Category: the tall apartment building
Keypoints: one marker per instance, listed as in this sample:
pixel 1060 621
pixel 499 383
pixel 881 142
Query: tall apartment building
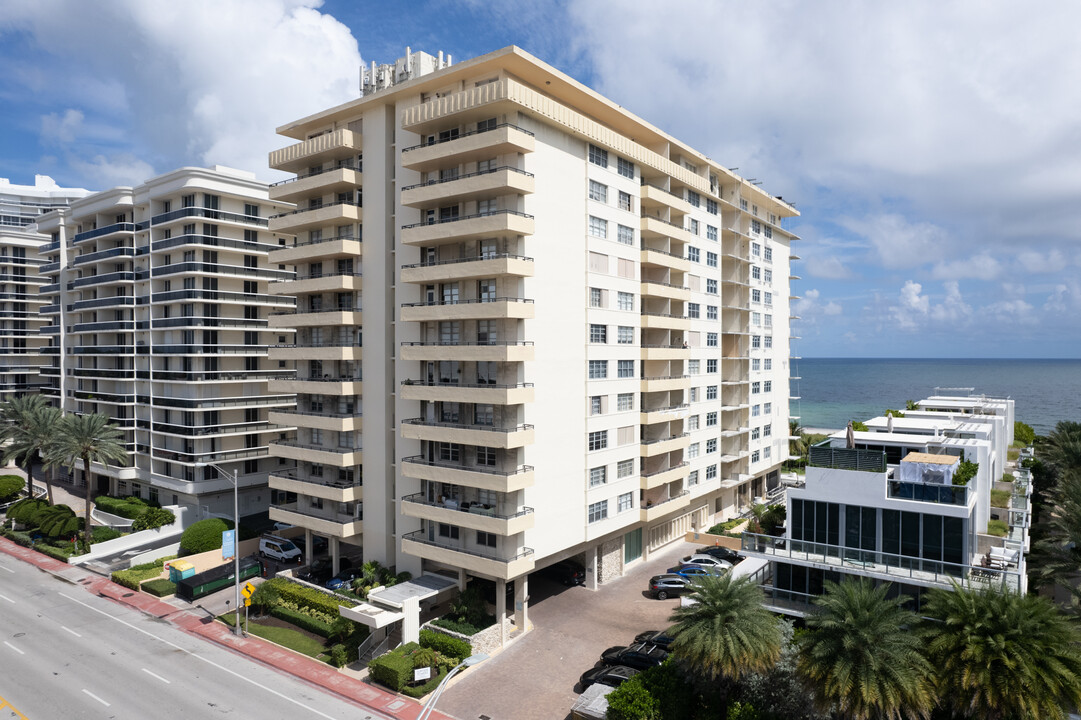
pixel 159 318
pixel 577 325
pixel 887 504
pixel 20 319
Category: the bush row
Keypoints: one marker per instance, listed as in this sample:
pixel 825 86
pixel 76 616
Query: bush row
pixel 160 587
pixel 129 507
pixel 301 620
pixel 445 644
pixel 461 627
pixel 393 669
pixel 135 575
pixel 305 597
pixel 20 538
pixel 10 487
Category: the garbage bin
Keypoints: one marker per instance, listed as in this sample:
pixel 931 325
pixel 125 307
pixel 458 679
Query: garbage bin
pixel 179 570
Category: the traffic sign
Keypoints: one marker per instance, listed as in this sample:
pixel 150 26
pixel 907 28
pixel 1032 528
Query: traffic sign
pixel 247 591
pixel 247 602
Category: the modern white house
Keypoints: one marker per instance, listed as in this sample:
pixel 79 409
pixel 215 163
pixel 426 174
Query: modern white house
pixel 888 504
pixel 575 326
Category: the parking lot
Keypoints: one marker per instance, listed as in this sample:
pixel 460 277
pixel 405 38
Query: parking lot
pixel 535 678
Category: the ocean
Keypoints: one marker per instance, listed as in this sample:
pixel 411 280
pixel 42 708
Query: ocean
pixel 836 390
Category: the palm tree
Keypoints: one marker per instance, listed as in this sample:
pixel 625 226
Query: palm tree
pixel 1063 448
pixel 32 424
pixel 911 405
pixel 1003 655
pixel 862 655
pixel 89 438
pixel 1058 553
pixel 727 632
pixel 797 446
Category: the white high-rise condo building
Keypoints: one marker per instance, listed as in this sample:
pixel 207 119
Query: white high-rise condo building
pixel 20 319
pixel 577 326
pixel 160 319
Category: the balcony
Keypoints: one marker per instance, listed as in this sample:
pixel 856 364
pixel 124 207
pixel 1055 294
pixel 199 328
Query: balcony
pixel 320 351
pixel 321 249
pixel 338 144
pixel 468 268
pixel 319 386
pixel 316 318
pixel 468 515
pixel 663 507
pixel 824 456
pixel 302 220
pixel 666 290
pixel 97 256
pixel 653 196
pixel 466 227
pixel 467 393
pixel 665 321
pixel 123 227
pixel 659 478
pixel 467 352
pixel 665 259
pixel 657 227
pixel 475 560
pixel 482 477
pixel 339 526
pixel 321 283
pixel 452 432
pixel 326 182
pixel 664 383
pixel 665 352
pixel 663 446
pixel 648 416
pixel 495 308
pixel 332 490
pixel 505 139
pixel 505 180
pixel 330 421
pixel 320 454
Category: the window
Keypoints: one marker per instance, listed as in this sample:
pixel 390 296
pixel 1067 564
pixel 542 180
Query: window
pixel 711 365
pixel 754 433
pixel 767 320
pixel 693 450
pixel 756 226
pixel 598 333
pixel 767 298
pixel 598 191
pixel 768 408
pixel 756 319
pixel 448 531
pixel 711 419
pixel 768 255
pixel 598 263
pixel 598 369
pixel 692 478
pixel 711 446
pixel 711 472
pixel 486 539
pixel 756 364
pixel 598 156
pixel 756 296
pixel 625 167
pixel 756 341
pixel 693 310
pixel 625 402
pixel 625 369
pixel 625 301
pixel 624 468
pixel 711 339
pixel 742 204
pixel 711 259
pixel 756 250
pixel 769 341
pixel 598 440
pixel 756 410
pixel 694 395
pixel 596 406
pixel 767 363
pixel 625 335
pixel 694 198
pixel 595 297
pixel 711 286
pixel 711 392
pixel 692 226
pixel 692 423
pixel 598 476
pixel 756 272
pixel 692 254
pixel 711 312
pixel 767 386
pixel 625 234
pixel 711 206
pixel 756 387
pixel 692 367
pixel 766 451
pixel 598 510
pixel 755 456
pixel 624 200
pixel 486 456
pixel 767 431
pixel 767 276
pixel 598 227
pixel 625 502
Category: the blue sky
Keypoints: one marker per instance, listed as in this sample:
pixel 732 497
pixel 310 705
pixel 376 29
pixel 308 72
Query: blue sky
pixel 932 148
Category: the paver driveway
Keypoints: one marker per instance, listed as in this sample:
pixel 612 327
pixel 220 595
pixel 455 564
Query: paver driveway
pixel 535 678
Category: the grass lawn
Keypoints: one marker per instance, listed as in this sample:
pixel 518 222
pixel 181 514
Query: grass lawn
pixel 1000 498
pixel 1013 454
pixel 997 528
pixel 286 637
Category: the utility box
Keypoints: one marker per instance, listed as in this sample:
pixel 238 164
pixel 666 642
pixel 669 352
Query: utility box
pixel 214 579
pixel 180 570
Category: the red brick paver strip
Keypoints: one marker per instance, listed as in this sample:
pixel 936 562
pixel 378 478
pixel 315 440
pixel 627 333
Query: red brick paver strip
pixel 299 666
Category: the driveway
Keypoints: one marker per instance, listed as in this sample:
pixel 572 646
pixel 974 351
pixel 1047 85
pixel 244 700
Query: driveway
pixel 535 678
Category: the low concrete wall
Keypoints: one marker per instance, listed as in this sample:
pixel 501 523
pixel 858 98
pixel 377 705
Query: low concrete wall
pixel 488 640
pixel 152 555
pixel 135 540
pixel 702 538
pixel 116 522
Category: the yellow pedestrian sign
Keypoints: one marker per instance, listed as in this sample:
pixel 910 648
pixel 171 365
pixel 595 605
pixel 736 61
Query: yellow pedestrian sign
pixel 247 590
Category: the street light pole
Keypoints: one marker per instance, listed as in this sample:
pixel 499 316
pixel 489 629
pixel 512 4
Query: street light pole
pixel 426 711
pixel 236 546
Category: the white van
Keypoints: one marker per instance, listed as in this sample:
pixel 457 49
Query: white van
pixel 279 548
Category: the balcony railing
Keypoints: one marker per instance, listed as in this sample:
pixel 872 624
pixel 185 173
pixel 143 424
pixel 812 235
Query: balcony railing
pixel 468 217
pixel 108 229
pixel 478 258
pixel 467 134
pixel 477 386
pixel 487 470
pixel 459 426
pixel 474 301
pixel 462 343
pixel 320 448
pixel 359 167
pixel 467 506
pixel 209 214
pixel 925 492
pixel 421 536
pixel 294 474
pixel 319 240
pixel 317 207
pixel 467 175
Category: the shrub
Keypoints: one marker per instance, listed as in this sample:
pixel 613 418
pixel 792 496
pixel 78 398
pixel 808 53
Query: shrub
pixel 53 552
pixel 427 687
pixel 631 701
pixel 1000 498
pixel 266 596
pixel 302 621
pixel 726 526
pixel 998 528
pixel 965 472
pixel 28 511
pixel 203 536
pixel 308 598
pixel 19 538
pixel 131 577
pixel 153 518
pixel 462 628
pixel 1023 433
pixel 858 426
pixel 445 644
pixel 101 533
pixel 339 655
pixel 160 587
pixel 393 669
pixel 10 487
pixel 59 521
pixel 130 507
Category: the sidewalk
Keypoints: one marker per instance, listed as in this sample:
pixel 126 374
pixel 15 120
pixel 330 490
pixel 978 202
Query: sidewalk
pixel 299 666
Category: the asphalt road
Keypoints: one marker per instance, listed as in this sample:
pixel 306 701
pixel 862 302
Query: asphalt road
pixel 66 653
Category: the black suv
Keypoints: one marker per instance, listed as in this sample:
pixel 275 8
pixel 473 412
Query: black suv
pixel 660 638
pixel 721 553
pixel 610 676
pixel 639 656
pixel 664 586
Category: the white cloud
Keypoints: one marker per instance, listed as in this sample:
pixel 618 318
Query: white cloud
pixel 952 309
pixel 899 243
pixel 810 307
pixel 980 267
pixel 912 306
pixel 828 268
pixel 194 83
pixel 1038 262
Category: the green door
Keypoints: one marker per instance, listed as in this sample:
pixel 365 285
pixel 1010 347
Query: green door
pixel 632 545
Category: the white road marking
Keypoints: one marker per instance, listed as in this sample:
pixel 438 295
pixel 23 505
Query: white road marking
pixel 71 631
pixel 159 677
pixel 5 567
pixel 14 648
pixel 200 657
pixel 5 597
pixel 95 697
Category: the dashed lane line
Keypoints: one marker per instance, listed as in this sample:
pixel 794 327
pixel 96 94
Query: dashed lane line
pixel 21 652
pixel 159 677
pixel 71 631
pixel 95 697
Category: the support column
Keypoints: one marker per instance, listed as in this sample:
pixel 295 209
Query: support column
pixel 461 580
pixel 309 542
pixel 521 602
pixel 591 568
pixel 335 554
pixel 411 620
pixel 501 609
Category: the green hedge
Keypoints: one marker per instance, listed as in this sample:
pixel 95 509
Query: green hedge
pixel 445 644
pixel 204 536
pixel 133 576
pixel 130 508
pixel 28 511
pixel 10 487
pixel 393 669
pixel 53 552
pixel 422 690
pixel 101 533
pixel 302 621
pixel 19 538
pixel 153 518
pixel 339 655
pixel 726 526
pixel 307 597
pixel 160 587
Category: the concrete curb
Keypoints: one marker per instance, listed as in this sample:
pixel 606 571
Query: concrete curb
pixel 301 667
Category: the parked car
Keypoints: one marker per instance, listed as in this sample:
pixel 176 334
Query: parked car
pixel 319 544
pixel 706 561
pixel 568 572
pixel 343 579
pixel 721 552
pixel 660 638
pixel 695 571
pixel 639 656
pixel 610 676
pixel 279 549
pixel 665 586
pixel 321 570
